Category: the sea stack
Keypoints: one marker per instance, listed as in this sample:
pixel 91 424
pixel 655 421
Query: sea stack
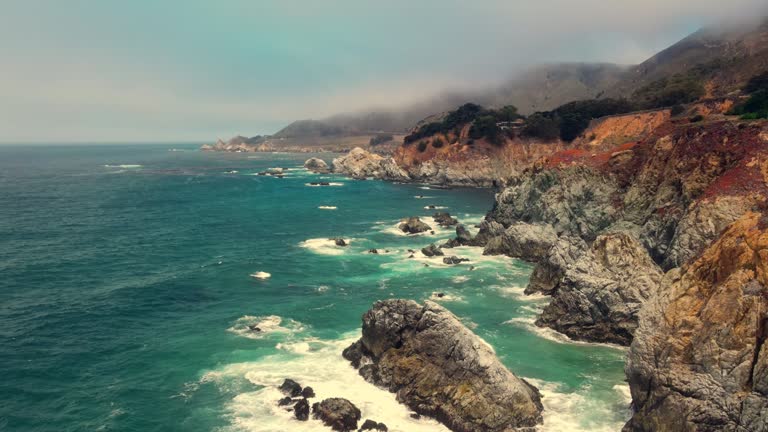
pixel 440 368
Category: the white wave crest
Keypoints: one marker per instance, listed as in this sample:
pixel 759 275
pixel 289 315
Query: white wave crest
pixel 245 326
pixel 312 363
pixel 324 246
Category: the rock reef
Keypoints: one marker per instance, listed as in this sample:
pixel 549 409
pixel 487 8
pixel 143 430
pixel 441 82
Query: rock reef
pixel 441 369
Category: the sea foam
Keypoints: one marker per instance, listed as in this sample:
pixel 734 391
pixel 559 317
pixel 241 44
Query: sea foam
pixel 312 363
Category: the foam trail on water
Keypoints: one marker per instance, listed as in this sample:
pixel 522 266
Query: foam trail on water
pixel 529 323
pixel 575 412
pixel 324 246
pixel 266 324
pixel 311 363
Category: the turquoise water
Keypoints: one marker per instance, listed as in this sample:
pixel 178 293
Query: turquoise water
pixel 126 294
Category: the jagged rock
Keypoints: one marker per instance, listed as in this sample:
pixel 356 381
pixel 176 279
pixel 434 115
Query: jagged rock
pixel 337 413
pixel 488 230
pixel 452 260
pixel 577 200
pixel 551 268
pixel 699 361
pixel 340 242
pixel 414 225
pixel 317 165
pixel 373 426
pixel 521 240
pixel 290 387
pixel 438 367
pixel 301 410
pixel 285 401
pixel 359 163
pixel 432 251
pixel 308 392
pixel 445 219
pixel 600 295
pixel 462 235
pixel 254 328
pixel 701 225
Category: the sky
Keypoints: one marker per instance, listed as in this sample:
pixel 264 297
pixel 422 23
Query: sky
pixel 191 70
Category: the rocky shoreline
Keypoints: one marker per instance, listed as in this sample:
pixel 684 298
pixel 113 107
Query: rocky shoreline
pixel 661 246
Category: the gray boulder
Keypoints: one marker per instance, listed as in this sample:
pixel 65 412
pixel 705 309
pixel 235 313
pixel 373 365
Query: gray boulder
pixel 414 225
pixel 337 413
pixel 432 251
pixel 317 165
pixel 439 368
pixel 530 242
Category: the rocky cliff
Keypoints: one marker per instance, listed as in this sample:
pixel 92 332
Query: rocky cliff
pixel 699 361
pixel 439 368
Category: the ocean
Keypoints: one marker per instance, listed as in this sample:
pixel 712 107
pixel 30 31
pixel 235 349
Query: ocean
pixel 125 295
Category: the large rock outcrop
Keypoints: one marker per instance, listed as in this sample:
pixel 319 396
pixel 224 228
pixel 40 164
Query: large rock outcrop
pixel 317 165
pixel 699 361
pixel 439 368
pixel 600 294
pixel 521 240
pixel 551 268
pixel 359 163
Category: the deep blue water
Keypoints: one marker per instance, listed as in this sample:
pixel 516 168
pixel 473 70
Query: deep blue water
pixel 125 293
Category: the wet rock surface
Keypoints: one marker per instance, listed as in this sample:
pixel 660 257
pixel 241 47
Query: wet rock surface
pixel 337 413
pixel 441 369
pixel 414 225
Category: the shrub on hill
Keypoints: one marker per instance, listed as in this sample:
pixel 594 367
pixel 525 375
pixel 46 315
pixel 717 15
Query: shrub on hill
pixel 757 82
pixel 542 126
pixel 756 107
pixel 484 123
pixel 485 127
pixel 380 139
pixel 675 90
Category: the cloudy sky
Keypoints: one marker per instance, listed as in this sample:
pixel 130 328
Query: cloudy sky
pixel 165 70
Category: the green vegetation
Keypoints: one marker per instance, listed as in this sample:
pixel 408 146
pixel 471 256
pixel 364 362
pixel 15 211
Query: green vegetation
pixel 757 82
pixel 543 126
pixel 484 123
pixel 485 127
pixel 675 90
pixel 697 118
pixel 677 110
pixel 756 107
pixel 380 139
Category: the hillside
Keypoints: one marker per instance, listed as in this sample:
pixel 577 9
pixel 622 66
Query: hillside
pixel 722 58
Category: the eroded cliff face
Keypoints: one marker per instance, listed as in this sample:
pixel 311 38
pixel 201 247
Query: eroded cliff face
pixel 690 200
pixel 699 361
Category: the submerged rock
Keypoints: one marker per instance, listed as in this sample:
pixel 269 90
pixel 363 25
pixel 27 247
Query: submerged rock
pixel 290 387
pixel 699 361
pixel 340 242
pixel 438 367
pixel 452 260
pixel 445 219
pixel 432 251
pixel 414 225
pixel 337 413
pixel 308 392
pixel 370 425
pixel 301 410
